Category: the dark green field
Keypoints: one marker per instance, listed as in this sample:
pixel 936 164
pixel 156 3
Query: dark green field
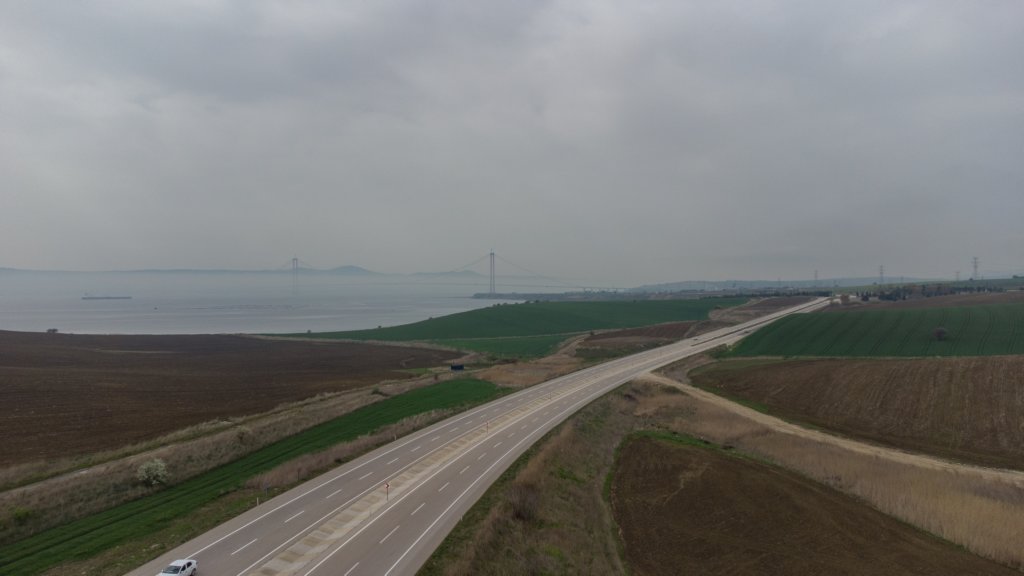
pixel 533 329
pixel 93 534
pixel 970 331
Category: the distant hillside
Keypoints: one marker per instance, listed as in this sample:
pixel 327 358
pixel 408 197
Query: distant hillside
pixel 459 274
pixel 350 270
pixel 722 285
pixel 347 270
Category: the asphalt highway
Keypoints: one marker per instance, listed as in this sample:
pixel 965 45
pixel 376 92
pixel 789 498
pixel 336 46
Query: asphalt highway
pixel 384 513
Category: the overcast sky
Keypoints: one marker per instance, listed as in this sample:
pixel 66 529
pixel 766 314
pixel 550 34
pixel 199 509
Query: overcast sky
pixel 622 142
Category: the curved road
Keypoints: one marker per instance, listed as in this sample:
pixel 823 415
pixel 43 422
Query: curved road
pixel 384 513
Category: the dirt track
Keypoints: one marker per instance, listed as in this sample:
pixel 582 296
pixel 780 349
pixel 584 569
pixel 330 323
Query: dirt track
pixel 1010 476
pixel 965 409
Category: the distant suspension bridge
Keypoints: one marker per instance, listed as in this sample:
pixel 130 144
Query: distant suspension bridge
pixel 531 279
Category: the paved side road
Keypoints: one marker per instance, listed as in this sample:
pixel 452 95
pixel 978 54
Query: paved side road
pixel 385 512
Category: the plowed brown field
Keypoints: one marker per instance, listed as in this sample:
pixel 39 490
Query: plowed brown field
pixel 69 395
pixel 967 409
pixel 691 510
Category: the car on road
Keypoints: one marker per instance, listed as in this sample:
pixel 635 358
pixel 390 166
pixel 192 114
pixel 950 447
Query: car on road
pixel 186 567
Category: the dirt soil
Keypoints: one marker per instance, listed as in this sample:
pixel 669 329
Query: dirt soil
pixel 753 309
pixel 68 395
pixel 949 301
pixel 523 374
pixel 691 510
pixel 966 409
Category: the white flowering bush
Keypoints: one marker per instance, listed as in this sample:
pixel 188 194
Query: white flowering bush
pixel 152 473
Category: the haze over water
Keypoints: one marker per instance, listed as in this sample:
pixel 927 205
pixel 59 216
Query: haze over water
pixel 208 303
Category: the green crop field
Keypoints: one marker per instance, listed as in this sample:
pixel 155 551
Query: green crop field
pixel 971 331
pixel 93 534
pixel 536 328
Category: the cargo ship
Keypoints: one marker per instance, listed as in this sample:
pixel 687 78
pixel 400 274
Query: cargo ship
pixel 88 297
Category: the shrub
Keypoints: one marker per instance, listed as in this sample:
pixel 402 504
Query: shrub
pixel 152 473
pixel 21 516
pixel 244 435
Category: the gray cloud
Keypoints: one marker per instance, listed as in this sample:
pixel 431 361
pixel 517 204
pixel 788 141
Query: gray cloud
pixel 620 142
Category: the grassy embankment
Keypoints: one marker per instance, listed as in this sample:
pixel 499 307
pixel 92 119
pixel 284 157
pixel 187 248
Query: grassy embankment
pixel 970 331
pixel 97 533
pixel 536 328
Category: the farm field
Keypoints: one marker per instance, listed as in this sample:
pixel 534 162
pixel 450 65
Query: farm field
pixel 510 347
pixel 96 533
pixel 966 409
pixel 69 395
pixel 535 328
pixel 688 509
pixel 982 330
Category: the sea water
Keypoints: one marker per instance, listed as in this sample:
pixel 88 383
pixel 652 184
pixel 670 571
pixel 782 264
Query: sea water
pixel 226 302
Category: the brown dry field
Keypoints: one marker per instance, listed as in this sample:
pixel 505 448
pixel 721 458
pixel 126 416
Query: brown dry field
pixel 950 301
pixel 68 395
pixel 690 510
pixel 966 409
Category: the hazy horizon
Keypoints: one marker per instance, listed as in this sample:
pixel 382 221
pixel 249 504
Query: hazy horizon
pixel 595 142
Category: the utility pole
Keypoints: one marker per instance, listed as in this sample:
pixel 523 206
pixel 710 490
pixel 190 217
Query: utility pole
pixel 974 262
pixel 881 274
pixel 492 272
pixel 957 275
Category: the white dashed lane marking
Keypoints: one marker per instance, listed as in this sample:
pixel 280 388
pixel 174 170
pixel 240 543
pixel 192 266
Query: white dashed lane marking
pixel 244 547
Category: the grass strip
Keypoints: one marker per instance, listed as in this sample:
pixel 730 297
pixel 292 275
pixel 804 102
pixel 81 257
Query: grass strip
pixel 91 535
